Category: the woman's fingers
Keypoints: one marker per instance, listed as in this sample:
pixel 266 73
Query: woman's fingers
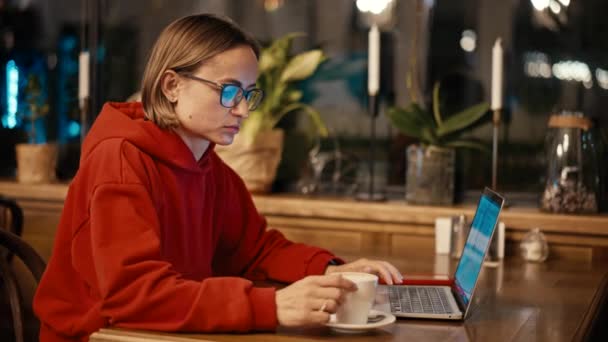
pixel 397 276
pixel 335 281
pixel 385 270
pixel 327 305
pixel 319 317
pixel 334 294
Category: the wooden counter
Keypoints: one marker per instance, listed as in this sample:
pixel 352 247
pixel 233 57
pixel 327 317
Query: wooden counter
pixel 347 226
pixel 395 228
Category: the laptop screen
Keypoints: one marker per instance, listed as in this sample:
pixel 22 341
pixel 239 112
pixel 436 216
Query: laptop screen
pixel 476 246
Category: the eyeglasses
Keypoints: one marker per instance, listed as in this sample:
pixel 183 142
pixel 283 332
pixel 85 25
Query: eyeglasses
pixel 232 94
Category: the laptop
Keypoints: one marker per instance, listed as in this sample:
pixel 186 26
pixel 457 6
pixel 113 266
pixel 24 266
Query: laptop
pixel 453 301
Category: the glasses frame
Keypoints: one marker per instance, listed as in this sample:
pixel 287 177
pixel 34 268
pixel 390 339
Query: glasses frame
pixel 221 86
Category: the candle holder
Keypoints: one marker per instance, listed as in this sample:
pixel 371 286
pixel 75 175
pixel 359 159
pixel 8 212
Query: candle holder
pixel 373 89
pixel 372 193
pixel 495 131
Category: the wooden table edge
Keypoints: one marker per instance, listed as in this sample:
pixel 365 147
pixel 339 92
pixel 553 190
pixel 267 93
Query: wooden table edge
pixel 590 319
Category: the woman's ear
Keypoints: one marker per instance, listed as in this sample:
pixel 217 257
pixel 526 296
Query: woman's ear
pixel 169 84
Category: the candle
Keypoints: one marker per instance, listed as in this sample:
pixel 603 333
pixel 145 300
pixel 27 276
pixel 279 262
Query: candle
pixel 83 76
pixel 373 62
pixel 497 67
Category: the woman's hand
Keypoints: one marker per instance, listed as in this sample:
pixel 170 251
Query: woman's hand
pixel 382 269
pixel 311 300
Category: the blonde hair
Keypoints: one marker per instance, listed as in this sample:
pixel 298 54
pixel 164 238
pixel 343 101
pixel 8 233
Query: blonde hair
pixel 182 47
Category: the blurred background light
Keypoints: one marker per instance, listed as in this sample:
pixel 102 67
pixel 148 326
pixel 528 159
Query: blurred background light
pixel 540 5
pixel 12 93
pixel 555 7
pixel 572 71
pixel 468 41
pixel 537 65
pixel 373 6
pixel 602 78
pixel 272 5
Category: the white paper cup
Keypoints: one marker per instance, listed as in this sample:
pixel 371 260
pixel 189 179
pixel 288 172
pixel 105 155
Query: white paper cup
pixel 357 304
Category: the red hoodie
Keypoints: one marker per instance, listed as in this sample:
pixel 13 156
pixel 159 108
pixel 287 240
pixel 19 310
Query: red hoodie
pixel 149 238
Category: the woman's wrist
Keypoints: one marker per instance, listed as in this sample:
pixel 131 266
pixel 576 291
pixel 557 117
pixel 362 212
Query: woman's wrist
pixel 331 265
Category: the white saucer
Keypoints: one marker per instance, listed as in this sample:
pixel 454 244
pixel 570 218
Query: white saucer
pixel 359 328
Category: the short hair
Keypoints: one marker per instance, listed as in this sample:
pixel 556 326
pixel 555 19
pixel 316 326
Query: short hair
pixel 183 46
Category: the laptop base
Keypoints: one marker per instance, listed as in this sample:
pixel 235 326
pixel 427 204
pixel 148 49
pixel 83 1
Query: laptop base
pixel 385 303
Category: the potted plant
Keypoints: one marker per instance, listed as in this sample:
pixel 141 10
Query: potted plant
pixel 36 162
pixel 430 164
pixel 256 151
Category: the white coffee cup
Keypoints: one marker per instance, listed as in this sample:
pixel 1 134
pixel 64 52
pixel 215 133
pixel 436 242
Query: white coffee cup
pixel 357 304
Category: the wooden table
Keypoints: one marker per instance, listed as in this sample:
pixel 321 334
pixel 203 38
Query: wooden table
pixel 516 301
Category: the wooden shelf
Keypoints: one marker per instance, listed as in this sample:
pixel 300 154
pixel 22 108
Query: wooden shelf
pixel 396 228
pixel 55 192
pixel 350 226
pixel 398 212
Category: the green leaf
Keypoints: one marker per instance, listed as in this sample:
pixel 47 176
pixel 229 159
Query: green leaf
pixel 468 143
pixel 428 135
pixel 436 104
pixel 411 122
pixel 302 66
pixel 462 119
pixel 277 69
pixel 276 55
pixel 424 116
pixel 314 115
pixel 268 60
pixel 294 95
pixel 316 119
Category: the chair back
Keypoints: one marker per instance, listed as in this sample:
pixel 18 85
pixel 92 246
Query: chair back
pixel 11 244
pixel 11 219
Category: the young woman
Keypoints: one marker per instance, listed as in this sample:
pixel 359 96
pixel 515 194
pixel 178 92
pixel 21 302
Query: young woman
pixel 157 232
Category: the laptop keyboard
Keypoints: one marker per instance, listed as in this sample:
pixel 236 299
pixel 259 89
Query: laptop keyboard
pixel 418 299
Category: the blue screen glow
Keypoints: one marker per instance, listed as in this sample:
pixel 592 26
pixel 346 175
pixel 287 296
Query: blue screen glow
pixel 475 248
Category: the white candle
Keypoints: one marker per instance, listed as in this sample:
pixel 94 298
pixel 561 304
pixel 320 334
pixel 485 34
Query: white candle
pixel 497 66
pixel 373 61
pixel 83 76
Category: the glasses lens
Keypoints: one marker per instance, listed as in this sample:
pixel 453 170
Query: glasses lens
pixel 231 95
pixel 254 98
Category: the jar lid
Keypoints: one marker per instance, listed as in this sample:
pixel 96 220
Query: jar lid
pixel 570 121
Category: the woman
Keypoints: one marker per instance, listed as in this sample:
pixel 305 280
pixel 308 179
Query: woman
pixel 157 232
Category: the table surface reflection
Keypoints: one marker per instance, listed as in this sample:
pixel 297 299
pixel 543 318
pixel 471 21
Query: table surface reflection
pixel 515 301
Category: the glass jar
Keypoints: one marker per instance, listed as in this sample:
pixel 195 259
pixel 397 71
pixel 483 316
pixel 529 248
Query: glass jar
pixel 430 175
pixel 572 183
pixel 534 246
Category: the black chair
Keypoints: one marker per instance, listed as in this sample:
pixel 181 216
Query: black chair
pixel 11 226
pixel 11 216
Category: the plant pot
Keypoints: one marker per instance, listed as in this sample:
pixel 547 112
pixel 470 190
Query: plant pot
pixel 430 175
pixel 257 162
pixel 36 163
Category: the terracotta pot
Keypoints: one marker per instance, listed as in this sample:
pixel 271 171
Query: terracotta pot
pixel 256 163
pixel 36 163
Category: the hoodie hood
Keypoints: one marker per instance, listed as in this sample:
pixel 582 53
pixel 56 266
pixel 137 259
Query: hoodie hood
pixel 127 121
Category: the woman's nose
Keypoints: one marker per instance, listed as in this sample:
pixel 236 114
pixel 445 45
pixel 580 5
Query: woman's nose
pixel 241 109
